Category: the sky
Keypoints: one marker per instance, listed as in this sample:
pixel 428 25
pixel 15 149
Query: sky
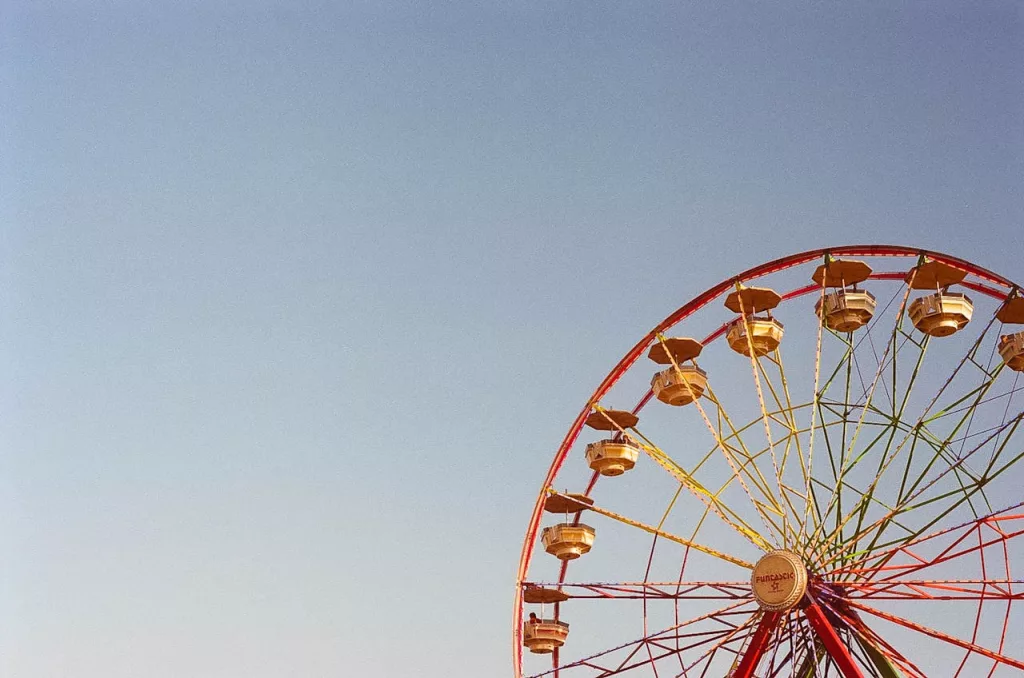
pixel 297 299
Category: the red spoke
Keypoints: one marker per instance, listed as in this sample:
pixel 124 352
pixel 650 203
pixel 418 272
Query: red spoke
pixel 708 656
pixel 947 555
pixel 654 590
pixel 906 623
pixel 1006 616
pixel 938 589
pixel 977 615
pixel 672 633
pixel 950 552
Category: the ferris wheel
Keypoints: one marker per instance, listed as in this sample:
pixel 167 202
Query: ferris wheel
pixel 814 468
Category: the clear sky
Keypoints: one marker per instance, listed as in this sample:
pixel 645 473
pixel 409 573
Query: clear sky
pixel 298 298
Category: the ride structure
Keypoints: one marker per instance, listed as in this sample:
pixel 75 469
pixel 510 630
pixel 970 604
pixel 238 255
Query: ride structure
pixel 853 510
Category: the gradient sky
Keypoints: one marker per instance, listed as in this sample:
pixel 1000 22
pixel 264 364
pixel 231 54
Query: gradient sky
pixel 297 299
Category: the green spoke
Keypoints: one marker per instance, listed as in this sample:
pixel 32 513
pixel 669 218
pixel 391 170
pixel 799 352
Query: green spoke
pixel 919 432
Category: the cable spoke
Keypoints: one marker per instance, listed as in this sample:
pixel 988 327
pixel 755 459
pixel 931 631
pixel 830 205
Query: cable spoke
pixel 939 635
pixel 685 590
pixel 709 499
pixel 936 589
pixel 661 533
pixel 720 615
pixel 739 470
pixel 764 411
pixel 906 507
pixel 828 541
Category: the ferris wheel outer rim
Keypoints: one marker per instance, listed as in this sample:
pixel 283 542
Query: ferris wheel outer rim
pixel 680 314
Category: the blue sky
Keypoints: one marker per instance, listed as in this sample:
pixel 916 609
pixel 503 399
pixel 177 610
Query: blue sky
pixel 297 299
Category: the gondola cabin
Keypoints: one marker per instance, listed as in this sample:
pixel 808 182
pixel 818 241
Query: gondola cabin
pixel 763 334
pixel 941 314
pixel 566 541
pixel 542 636
pixel 846 310
pixel 679 386
pixel 1011 350
pixel 612 457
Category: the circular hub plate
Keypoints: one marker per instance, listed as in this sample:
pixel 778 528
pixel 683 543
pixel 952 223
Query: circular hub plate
pixel 779 581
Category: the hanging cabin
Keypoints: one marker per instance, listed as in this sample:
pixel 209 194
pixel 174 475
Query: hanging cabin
pixel 760 333
pixel 846 308
pixel 942 313
pixel 681 383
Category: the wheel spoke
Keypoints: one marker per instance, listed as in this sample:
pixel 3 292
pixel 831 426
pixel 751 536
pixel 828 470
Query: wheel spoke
pixel 757 645
pixel 960 496
pixel 709 499
pixel 755 368
pixel 936 589
pixel 920 431
pixel 684 590
pixel 846 464
pixel 663 534
pixel 740 469
pixel 939 635
pixel 886 659
pixel 879 561
pixel 720 616
pixel 811 510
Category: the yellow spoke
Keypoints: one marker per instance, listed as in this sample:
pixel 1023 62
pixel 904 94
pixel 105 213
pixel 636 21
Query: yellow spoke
pixel 661 533
pixel 717 433
pixel 808 468
pixel 760 399
pixel 790 424
pixel 696 488
pixel 749 465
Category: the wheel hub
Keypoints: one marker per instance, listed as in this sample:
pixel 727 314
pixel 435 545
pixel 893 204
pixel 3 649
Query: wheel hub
pixel 779 581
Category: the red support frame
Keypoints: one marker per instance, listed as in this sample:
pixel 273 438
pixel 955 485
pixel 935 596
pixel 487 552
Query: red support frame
pixel 827 632
pixel 758 644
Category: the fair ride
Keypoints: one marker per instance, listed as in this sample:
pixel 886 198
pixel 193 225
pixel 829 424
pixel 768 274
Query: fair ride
pixel 839 495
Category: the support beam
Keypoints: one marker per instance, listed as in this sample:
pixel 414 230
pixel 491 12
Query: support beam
pixel 758 644
pixel 827 632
